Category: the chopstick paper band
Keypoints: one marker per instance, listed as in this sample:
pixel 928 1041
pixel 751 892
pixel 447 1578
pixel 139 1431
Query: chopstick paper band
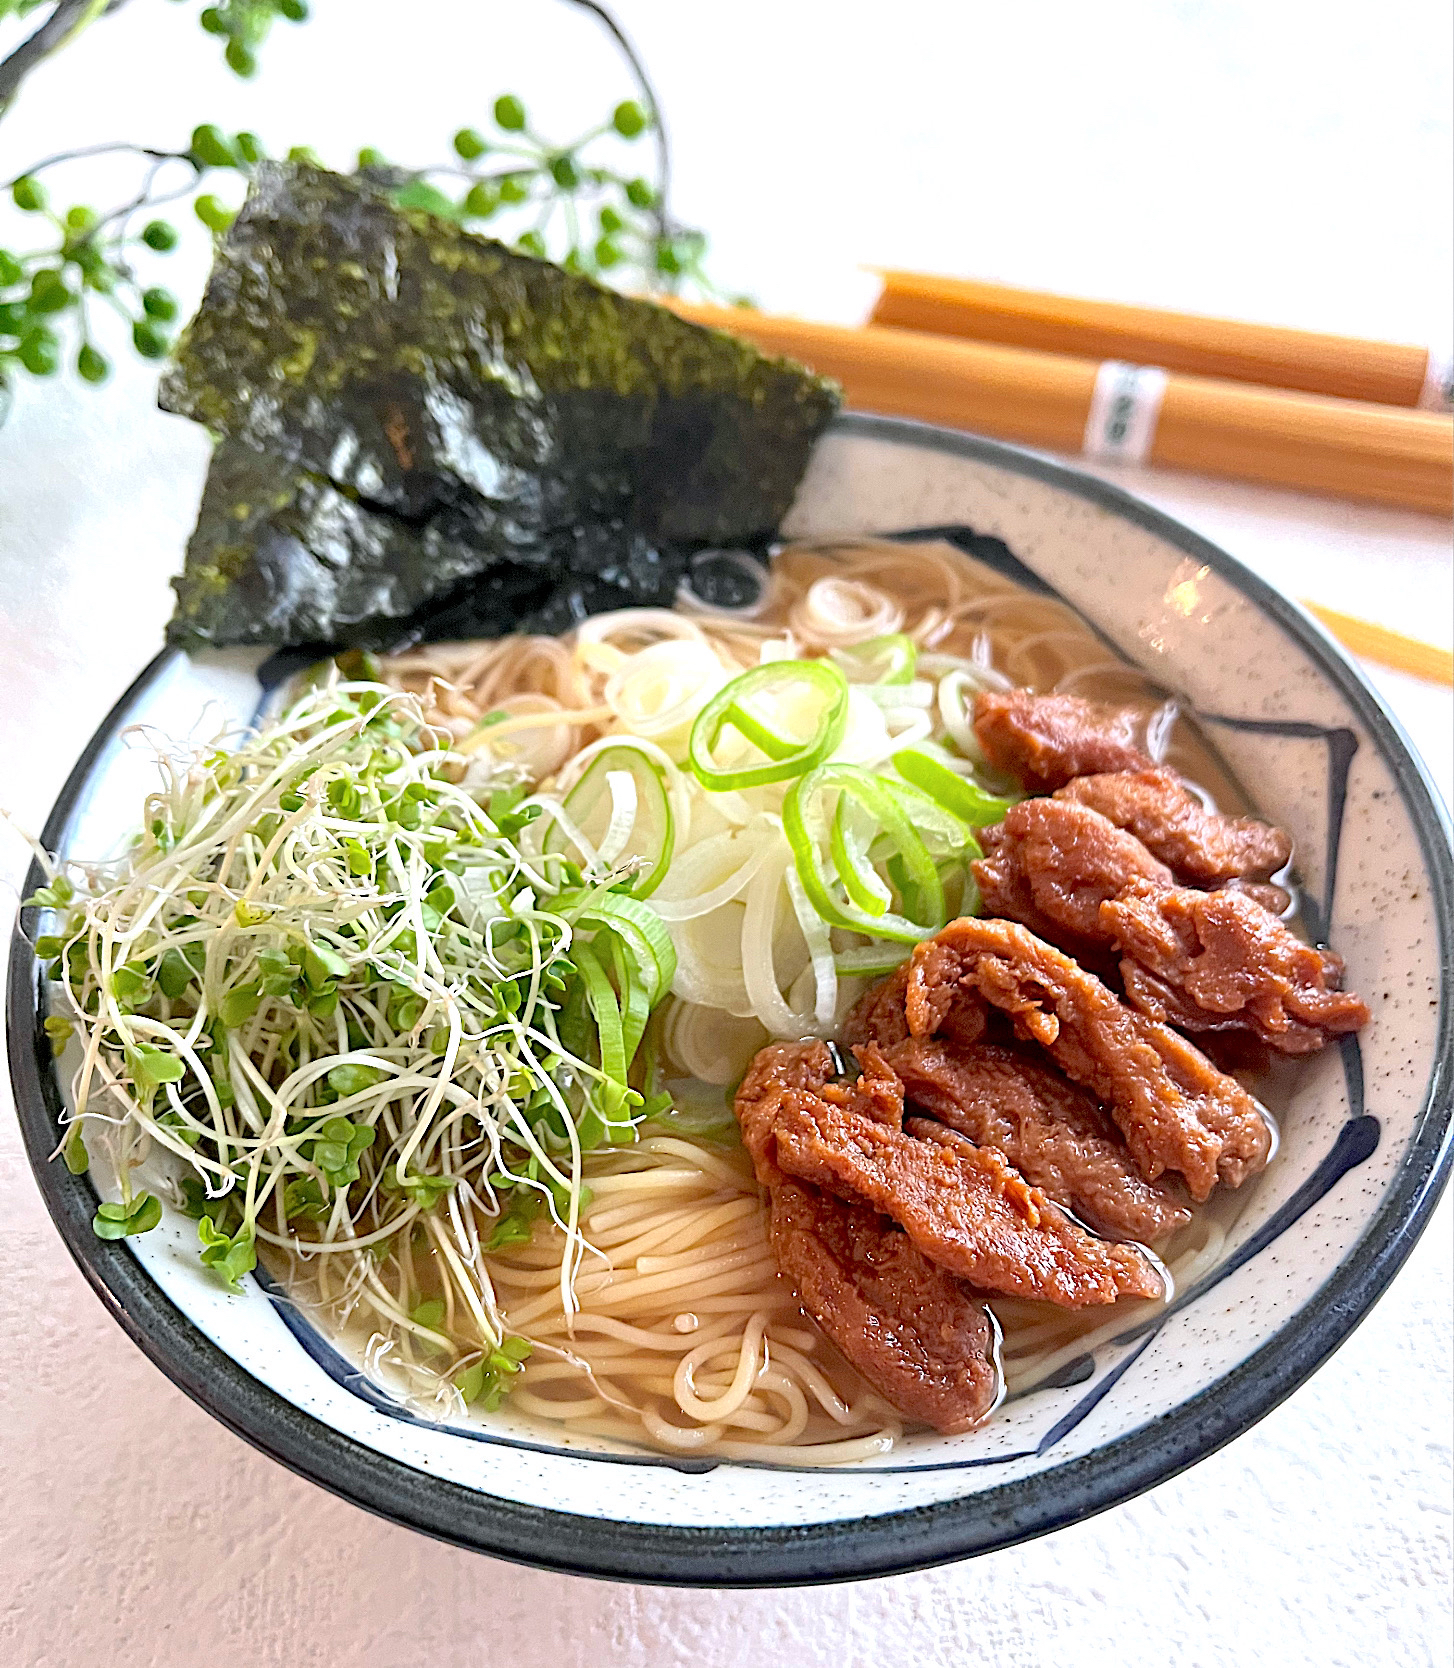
pixel 1438 390
pixel 1125 404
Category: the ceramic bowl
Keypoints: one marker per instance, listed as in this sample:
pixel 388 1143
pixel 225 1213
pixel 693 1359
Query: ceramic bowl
pixel 1365 1140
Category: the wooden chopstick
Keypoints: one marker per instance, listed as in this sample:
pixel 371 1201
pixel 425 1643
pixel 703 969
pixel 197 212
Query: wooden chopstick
pixel 1385 373
pixel 1043 399
pixel 1374 453
pixel 1388 648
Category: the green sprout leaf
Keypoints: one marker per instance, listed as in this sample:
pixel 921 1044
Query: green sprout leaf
pixel 151 1067
pixel 353 1080
pixel 117 1220
pixel 230 1255
pixel 174 974
pixel 60 1031
pixel 28 194
pixel 74 1152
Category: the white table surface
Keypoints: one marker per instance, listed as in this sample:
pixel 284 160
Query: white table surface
pixel 1275 158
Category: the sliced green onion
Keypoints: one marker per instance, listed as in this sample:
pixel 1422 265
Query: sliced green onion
pixel 871 961
pixel 635 1004
pixel 956 793
pixel 851 859
pixel 786 758
pixel 607 1011
pixel 945 834
pixel 890 659
pixel 806 827
pixel 640 928
pixel 652 835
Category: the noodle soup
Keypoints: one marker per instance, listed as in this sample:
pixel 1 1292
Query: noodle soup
pixel 675 1329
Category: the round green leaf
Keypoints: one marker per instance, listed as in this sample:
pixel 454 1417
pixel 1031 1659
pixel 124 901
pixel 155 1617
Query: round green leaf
pixel 629 119
pixel 148 341
pixel 211 148
pixel 91 365
pixel 39 352
pixel 28 194
pixel 509 113
pixel 214 213
pixel 48 292
pixel 159 304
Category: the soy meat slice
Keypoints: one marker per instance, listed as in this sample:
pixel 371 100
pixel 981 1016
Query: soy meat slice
pixel 1218 960
pixel 1045 740
pixel 920 1337
pixel 1176 1110
pixel 879 1017
pixel 1202 961
pixel 1054 1133
pixel 975 1216
pixel 1052 863
pixel 1202 848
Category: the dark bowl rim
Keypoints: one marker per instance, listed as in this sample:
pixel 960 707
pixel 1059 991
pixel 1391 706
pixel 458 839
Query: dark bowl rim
pixel 894 1543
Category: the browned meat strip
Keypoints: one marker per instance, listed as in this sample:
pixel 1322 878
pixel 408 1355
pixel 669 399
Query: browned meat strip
pixel 1054 863
pixel 775 1069
pixel 1201 847
pixel 1176 1110
pixel 1051 1131
pixel 879 1015
pixel 1213 960
pixel 1045 740
pixel 915 1333
pixel 1204 961
pixel 976 1217
pixel 918 1335
pixel 1272 898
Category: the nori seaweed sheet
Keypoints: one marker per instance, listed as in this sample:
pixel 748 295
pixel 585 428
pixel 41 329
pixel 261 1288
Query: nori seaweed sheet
pixel 428 434
pixel 280 555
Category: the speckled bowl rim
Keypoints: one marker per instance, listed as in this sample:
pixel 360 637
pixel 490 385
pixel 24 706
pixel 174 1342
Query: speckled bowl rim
pixel 846 1549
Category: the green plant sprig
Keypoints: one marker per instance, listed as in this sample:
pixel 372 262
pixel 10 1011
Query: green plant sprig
pixel 244 24
pixel 564 202
pixel 542 200
pixel 558 201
